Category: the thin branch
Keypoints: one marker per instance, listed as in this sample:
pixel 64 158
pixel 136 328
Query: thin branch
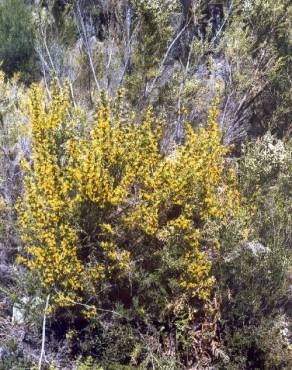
pixel 44 333
pixel 44 39
pixel 225 110
pixel 129 48
pixel 94 307
pixel 87 45
pixel 161 67
pixel 244 105
pixel 223 24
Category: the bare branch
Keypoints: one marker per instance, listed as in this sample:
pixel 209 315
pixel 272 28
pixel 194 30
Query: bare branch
pixel 44 333
pixel 162 64
pixel 86 44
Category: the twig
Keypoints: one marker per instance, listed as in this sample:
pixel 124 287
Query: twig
pixel 224 112
pixel 161 67
pixel 223 24
pixel 44 333
pixel 87 306
pixel 87 45
pixel 44 39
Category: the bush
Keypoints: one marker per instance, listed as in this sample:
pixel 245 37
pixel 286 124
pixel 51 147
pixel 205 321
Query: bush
pixel 254 277
pixel 16 38
pixel 109 221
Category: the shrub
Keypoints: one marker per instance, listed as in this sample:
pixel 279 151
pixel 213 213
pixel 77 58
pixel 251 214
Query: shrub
pixel 16 38
pixel 254 278
pixel 107 218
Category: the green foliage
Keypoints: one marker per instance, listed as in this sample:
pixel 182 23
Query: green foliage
pixel 88 364
pixel 254 277
pixel 16 38
pixel 154 34
pixel 256 43
pixel 155 24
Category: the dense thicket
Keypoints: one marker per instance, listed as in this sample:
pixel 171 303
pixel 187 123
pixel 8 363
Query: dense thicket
pixel 145 184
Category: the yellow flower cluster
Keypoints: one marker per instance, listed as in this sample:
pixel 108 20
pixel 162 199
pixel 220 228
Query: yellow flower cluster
pixel 47 210
pixel 100 197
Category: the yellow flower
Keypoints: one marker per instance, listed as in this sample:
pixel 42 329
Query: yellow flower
pixel 96 205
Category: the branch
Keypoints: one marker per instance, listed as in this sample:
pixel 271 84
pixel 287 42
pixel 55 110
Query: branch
pixel 161 67
pixel 44 333
pixel 87 306
pixel 223 24
pixel 244 105
pixel 44 39
pixel 87 45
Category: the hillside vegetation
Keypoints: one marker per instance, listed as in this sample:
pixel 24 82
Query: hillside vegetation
pixel 145 185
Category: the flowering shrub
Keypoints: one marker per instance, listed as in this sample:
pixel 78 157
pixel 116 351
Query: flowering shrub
pixel 105 210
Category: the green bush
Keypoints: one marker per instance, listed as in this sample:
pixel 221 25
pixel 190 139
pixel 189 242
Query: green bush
pixel 16 38
pixel 254 276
